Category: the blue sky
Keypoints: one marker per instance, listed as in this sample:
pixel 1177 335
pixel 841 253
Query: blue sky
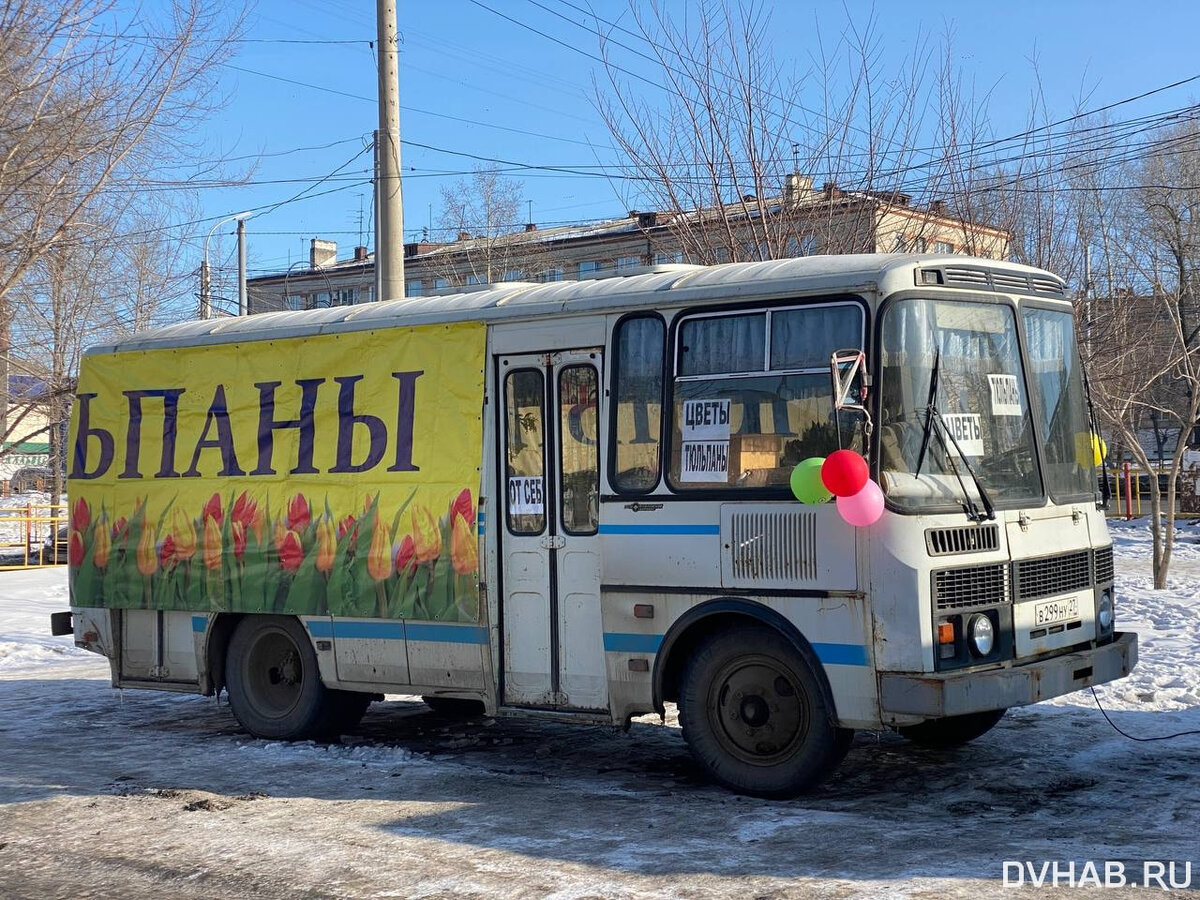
pixel 512 80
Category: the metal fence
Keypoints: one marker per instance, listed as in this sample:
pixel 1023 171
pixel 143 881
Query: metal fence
pixel 33 536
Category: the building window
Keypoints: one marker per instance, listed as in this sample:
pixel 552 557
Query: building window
pixel 801 246
pixel 320 300
pixel 345 297
pixel 628 262
pixel 440 284
pixel 661 259
pixel 590 267
pixel 475 279
pixel 752 395
pixel 943 247
pixel 414 288
pixel 294 301
pixel 512 274
pixel 553 274
pixel 901 244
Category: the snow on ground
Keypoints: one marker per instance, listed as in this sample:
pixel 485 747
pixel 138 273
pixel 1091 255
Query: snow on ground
pixel 143 794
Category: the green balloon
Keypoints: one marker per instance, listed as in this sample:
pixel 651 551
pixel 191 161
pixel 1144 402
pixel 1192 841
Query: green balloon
pixel 806 481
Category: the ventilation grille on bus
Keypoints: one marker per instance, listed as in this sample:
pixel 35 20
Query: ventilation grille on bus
pixel 1007 282
pixel 772 548
pixel 971 586
pixel 1053 575
pixel 1104 565
pixel 962 539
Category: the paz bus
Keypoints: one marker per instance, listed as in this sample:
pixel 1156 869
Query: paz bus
pixel 576 499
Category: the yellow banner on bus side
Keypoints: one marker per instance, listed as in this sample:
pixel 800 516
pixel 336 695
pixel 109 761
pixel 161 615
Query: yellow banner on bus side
pixel 332 474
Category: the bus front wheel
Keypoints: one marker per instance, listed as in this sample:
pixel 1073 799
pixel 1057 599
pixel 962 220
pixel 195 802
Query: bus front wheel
pixel 753 714
pixel 274 688
pixel 952 731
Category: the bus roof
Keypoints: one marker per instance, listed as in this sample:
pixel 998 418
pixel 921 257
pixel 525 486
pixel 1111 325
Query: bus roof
pixel 671 286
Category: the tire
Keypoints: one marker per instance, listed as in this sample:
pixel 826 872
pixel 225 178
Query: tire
pixel 754 715
pixel 275 690
pixel 952 731
pixel 456 707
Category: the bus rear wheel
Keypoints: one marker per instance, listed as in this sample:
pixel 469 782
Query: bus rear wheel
pixel 275 690
pixel 952 731
pixel 755 717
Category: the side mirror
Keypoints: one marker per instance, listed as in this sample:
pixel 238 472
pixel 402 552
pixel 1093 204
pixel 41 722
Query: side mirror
pixel 851 384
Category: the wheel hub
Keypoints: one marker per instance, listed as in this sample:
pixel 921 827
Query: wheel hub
pixel 759 709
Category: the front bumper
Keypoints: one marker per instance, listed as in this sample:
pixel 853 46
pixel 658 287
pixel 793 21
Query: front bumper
pixel 958 693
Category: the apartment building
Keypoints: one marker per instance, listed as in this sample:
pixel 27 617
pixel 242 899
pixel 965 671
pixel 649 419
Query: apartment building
pixel 803 221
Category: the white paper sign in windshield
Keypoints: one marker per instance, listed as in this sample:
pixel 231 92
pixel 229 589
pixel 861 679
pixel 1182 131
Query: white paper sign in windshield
pixel 705 445
pixel 525 496
pixel 967 432
pixel 1006 396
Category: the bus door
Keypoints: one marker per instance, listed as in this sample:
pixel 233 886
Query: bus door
pixel 552 640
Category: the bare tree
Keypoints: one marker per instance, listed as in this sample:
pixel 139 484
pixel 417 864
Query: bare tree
pixel 481 216
pixel 97 104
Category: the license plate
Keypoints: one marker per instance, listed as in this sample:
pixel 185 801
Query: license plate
pixel 1056 611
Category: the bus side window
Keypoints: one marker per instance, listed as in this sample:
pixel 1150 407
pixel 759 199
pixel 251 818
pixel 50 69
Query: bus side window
pixel 638 345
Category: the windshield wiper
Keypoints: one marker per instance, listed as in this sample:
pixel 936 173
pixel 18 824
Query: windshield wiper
pixel 935 425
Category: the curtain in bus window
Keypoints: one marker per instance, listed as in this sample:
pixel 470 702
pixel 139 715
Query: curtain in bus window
pixel 580 462
pixel 639 389
pixel 805 338
pixel 723 344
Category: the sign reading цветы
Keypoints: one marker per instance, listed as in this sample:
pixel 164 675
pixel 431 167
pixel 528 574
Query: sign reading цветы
pixel 704 454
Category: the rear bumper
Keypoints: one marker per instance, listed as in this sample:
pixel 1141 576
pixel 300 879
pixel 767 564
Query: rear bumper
pixel 957 693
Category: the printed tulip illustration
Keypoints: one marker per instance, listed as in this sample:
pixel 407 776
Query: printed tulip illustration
pixel 81 516
pixel 406 563
pixel 147 559
pixel 295 554
pixel 326 546
pixel 213 510
pixel 379 556
pixel 183 530
pixel 291 552
pixel 102 546
pixel 298 514
pixel 166 552
pixel 464 553
pixel 238 531
pixel 75 549
pixel 427 537
pixel 463 506
pixel 212 543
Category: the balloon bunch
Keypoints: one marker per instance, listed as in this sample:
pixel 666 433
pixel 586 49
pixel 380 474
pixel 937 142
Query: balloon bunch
pixel 842 474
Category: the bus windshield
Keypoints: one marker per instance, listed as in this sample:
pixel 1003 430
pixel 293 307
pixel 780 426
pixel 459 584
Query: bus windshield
pixel 954 402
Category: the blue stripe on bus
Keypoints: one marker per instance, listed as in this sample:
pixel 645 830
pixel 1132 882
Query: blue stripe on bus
pixel 199 624
pixel 660 529
pixel 447 634
pixel 395 630
pixel 631 643
pixel 829 654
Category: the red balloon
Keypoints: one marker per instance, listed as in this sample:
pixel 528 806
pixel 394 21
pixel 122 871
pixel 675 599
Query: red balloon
pixel 844 473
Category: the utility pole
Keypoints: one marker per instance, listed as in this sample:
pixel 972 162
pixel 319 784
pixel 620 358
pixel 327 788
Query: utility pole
pixel 389 217
pixel 242 299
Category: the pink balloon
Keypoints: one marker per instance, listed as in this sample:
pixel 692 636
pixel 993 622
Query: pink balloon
pixel 864 508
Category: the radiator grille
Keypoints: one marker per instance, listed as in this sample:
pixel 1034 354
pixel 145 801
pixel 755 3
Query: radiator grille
pixel 971 586
pixel 964 539
pixel 1104 565
pixel 1053 575
pixel 773 548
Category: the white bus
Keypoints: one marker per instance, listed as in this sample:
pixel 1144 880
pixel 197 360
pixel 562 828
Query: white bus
pixel 633 538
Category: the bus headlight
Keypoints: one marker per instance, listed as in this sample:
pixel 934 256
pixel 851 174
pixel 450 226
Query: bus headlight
pixel 1104 611
pixel 981 635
